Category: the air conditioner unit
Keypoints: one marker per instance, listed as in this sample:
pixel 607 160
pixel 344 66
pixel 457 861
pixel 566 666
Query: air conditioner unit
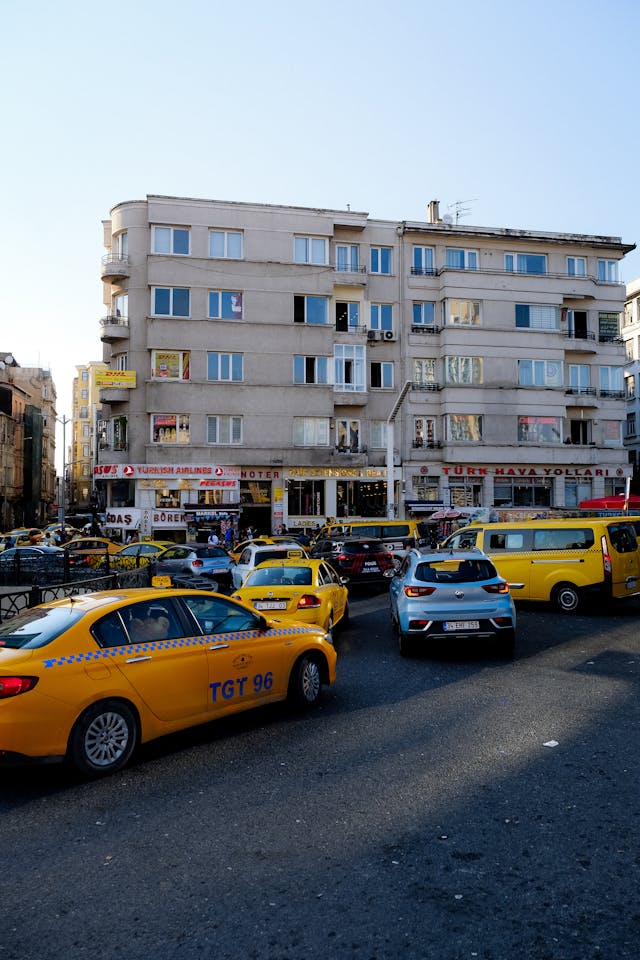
pixel 372 334
pixel 387 335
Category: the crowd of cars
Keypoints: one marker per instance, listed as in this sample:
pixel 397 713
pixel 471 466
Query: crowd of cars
pixel 91 676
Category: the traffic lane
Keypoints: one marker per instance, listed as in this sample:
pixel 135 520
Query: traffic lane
pixel 437 825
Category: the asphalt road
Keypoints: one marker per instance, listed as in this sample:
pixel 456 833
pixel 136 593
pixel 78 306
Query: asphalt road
pixel 445 808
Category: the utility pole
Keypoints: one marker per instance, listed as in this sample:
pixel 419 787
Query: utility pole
pixel 390 438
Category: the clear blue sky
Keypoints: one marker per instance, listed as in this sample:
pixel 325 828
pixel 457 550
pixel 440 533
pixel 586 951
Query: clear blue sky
pixel 527 111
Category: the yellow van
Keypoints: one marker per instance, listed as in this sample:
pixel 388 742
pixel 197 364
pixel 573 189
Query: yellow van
pixel 398 535
pixel 565 561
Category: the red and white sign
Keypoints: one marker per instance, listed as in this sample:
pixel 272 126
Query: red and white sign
pixel 194 471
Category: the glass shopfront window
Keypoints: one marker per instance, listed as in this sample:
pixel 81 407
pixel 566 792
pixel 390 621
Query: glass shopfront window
pixel 306 498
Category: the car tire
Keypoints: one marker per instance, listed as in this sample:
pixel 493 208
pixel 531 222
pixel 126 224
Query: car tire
pixel 329 628
pixel 405 646
pixel 103 738
pixel 305 684
pixel 566 597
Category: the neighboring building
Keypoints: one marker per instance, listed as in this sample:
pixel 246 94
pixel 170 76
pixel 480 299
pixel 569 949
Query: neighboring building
pixel 257 353
pixel 27 443
pixel 631 336
pixel 85 435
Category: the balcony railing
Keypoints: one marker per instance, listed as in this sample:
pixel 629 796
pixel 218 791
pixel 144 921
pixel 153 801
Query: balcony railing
pixel 613 394
pixel 349 268
pixel 581 391
pixel 115 267
pixel 584 335
pixel 427 444
pixel 425 328
pixel 426 386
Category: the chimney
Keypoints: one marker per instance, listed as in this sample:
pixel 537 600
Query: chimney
pixel 433 212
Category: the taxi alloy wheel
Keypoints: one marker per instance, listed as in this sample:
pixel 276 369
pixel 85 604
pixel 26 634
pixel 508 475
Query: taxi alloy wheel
pixel 306 681
pixel 104 738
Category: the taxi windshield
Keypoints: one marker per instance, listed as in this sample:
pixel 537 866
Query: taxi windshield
pixel 37 627
pixel 276 576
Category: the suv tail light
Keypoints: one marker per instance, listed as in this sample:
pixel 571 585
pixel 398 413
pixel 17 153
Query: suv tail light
pixel 197 563
pixel 502 587
pixel 12 686
pixel 308 600
pixel 419 591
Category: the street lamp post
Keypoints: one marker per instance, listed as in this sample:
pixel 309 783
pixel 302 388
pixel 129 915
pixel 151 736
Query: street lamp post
pixel 61 509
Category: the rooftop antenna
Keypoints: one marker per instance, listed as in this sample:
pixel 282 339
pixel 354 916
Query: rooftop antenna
pixel 460 208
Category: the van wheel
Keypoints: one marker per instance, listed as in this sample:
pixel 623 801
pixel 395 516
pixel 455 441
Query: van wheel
pixel 566 597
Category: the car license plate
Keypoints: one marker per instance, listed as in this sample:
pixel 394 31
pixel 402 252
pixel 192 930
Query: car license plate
pixel 371 566
pixel 461 625
pixel 270 604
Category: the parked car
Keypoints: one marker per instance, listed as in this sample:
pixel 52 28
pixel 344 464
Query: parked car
pixel 90 551
pixel 139 554
pixel 25 565
pixel 450 597
pixel 363 561
pixel 255 553
pixel 92 676
pixel 197 560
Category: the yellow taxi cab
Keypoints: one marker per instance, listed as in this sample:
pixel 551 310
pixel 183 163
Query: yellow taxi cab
pixel 90 677
pixel 90 551
pixel 137 554
pixel 309 590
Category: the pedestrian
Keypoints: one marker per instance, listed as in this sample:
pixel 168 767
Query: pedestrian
pixel 214 539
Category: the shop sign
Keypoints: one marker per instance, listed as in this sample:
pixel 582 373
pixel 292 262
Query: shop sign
pixel 505 471
pixel 123 518
pixel 133 471
pixel 357 473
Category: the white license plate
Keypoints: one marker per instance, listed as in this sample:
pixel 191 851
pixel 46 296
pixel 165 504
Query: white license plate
pixel 461 625
pixel 371 566
pixel 270 605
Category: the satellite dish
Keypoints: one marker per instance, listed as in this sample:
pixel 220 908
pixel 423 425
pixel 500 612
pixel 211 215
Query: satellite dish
pixel 448 219
pixel 8 359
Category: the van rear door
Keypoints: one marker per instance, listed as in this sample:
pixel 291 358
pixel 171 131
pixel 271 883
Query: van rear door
pixel 510 550
pixel 625 558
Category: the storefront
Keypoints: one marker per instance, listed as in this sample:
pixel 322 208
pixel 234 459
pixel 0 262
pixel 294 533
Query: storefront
pixel 312 494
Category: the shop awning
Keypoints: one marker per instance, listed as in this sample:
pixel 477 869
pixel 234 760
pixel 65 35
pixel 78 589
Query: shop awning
pixel 615 502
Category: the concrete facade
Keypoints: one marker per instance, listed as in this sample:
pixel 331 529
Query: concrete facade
pixel 631 337
pixel 257 353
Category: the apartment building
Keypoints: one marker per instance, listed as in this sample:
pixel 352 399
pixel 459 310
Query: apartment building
pixel 84 435
pixel 631 338
pixel 274 364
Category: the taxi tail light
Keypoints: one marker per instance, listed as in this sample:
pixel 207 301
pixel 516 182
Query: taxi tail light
pixel 502 587
pixel 12 686
pixel 419 591
pixel 308 600
pixel 606 556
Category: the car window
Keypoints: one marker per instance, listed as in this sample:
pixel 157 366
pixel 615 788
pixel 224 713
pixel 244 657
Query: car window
pixel 245 556
pixel 209 552
pixel 622 538
pixel 215 615
pixel 110 632
pixel 151 620
pixel 37 627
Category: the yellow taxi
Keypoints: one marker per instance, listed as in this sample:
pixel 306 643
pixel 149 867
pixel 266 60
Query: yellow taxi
pixel 90 551
pixel 90 677
pixel 138 554
pixel 308 590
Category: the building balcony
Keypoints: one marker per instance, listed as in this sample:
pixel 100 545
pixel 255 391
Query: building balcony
pixel 612 394
pixel 577 397
pixel 114 268
pixel 422 386
pixel 350 398
pixel 350 275
pixel 114 328
pixel 584 342
pixel 114 395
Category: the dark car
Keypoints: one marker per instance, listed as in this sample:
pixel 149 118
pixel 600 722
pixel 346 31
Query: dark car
pixel 195 561
pixel 362 560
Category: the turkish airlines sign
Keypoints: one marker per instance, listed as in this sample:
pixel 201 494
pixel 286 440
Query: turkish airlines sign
pixel 134 471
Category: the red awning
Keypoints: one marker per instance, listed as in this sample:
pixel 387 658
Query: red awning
pixel 615 502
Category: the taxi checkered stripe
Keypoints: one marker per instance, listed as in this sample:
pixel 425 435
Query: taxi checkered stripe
pixel 154 646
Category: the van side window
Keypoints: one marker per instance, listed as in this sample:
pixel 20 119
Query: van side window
pixel 563 539
pixel 506 540
pixel 622 538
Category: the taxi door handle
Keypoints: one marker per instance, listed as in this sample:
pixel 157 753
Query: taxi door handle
pixel 219 646
pixel 137 659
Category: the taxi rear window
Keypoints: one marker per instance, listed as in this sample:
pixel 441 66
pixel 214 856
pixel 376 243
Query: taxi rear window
pixel 37 627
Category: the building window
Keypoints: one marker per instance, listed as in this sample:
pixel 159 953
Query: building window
pixel 614 486
pixel 225 430
pixel 536 316
pixel 579 432
pixel 378 434
pixel 608 327
pixel 426 489
pixel 225 366
pixel 310 250
pixel 169 428
pixel 579 377
pixel 630 387
pixel 540 373
pixel 122 245
pixel 85 450
pixel 85 430
pixel 608 271
pixel 381 316
pixel 465 492
pixel 312 310
pixel 85 375
pixel 311 431
pixel 167 498
pixel 628 348
pixel 424 432
pixel 381 260
pixel 225 244
pixel 170 364
pixel 464 313
pixel 225 305
pixel 120 305
pixel 460 259
pixel 170 240
pixel 577 324
pixel 532 492
pixel 311 369
pixel 84 394
pixel 305 498
pixel 347 258
pixel 349 368
pixel 119 433
pixel 424 313
pixel 423 262
pixel 467 370
pixel 170 301
pixel 611 382
pixel 576 267
pixel 539 430
pixel 630 426
pixel 348 436
pixel 382 375
pixel 464 427
pixel 121 361
pixel 83 413
pixel 525 263
pixel 347 316
pixel 424 371
pixel 611 432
